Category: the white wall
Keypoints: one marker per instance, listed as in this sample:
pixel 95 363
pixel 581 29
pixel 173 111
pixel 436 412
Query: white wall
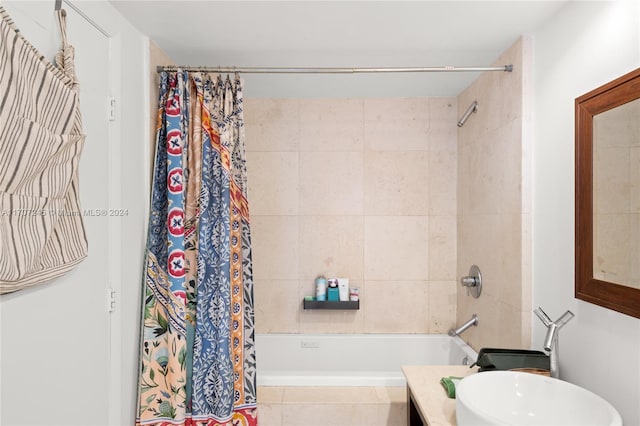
pixel 128 189
pixel 586 45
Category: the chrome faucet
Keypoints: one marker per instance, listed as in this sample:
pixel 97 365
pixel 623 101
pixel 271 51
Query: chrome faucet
pixel 550 344
pixel 463 327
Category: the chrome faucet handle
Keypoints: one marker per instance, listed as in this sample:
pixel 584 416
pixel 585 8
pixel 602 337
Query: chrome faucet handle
pixel 543 316
pixel 473 282
pixel 469 282
pixel 565 318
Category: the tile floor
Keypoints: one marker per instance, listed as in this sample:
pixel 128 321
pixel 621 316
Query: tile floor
pixel 338 406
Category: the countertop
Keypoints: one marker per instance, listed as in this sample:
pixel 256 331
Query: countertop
pixel 429 395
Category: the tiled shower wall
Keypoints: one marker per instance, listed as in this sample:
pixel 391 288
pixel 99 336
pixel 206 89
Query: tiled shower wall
pixel 494 202
pixel 357 188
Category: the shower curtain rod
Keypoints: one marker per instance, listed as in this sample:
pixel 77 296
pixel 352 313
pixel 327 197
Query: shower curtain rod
pixel 328 70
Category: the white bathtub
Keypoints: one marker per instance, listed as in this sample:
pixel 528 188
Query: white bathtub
pixel 352 359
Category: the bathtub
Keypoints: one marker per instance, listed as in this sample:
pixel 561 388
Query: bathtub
pixel 352 359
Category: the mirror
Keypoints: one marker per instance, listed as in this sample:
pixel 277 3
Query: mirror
pixel 607 239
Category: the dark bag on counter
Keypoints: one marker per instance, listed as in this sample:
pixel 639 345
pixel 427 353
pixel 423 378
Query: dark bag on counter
pixel 508 359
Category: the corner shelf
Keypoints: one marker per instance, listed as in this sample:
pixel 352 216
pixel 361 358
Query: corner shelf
pixel 314 304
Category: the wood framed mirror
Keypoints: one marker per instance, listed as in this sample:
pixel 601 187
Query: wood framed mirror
pixel 607 198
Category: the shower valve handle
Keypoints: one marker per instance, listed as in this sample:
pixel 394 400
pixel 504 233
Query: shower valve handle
pixel 469 281
pixel 473 282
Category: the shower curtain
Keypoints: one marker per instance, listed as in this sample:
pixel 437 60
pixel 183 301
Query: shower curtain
pixel 197 356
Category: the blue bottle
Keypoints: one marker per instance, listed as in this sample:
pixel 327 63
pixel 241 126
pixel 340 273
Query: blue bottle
pixel 321 289
pixel 333 295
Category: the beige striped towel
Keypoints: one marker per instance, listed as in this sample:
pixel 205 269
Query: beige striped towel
pixel 42 235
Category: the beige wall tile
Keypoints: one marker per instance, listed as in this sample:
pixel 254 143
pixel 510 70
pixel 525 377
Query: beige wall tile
pixel 275 247
pixel 319 414
pixel 510 283
pixel 443 162
pixel 525 325
pixel 330 395
pixel 508 149
pixel 396 124
pixel 480 176
pixel 270 394
pixel 526 273
pixel 344 406
pixel 396 183
pixel 272 124
pixel 442 247
pixel 393 414
pixel 486 333
pixel 393 410
pixel 526 165
pixel 442 306
pixel 269 414
pixel 442 125
pixel 331 124
pixel 443 178
pixel 510 327
pixel 277 306
pixel 494 224
pixel 479 243
pixel 396 307
pixel 331 246
pixel 311 177
pixel 443 112
pixel 395 394
pixel 273 183
pixel 395 247
pixel 331 183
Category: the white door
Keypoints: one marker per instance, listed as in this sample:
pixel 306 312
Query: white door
pixel 55 337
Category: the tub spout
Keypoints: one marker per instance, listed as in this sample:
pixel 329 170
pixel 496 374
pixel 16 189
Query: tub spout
pixel 456 332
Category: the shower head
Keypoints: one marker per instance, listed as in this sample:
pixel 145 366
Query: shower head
pixel 472 108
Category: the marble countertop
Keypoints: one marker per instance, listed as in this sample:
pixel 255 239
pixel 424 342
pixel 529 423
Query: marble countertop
pixel 429 395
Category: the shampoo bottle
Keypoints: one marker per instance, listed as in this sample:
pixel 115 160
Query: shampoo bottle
pixel 321 288
pixel 343 289
pixel 332 291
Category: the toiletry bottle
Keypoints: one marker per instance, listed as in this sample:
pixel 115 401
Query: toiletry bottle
pixel 343 289
pixel 321 289
pixel 354 294
pixel 332 291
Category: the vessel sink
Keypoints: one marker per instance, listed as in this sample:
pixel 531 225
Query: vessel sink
pixel 518 398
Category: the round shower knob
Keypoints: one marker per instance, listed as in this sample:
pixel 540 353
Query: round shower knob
pixel 473 282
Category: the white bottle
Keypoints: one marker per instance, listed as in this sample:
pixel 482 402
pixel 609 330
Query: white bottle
pixel 343 288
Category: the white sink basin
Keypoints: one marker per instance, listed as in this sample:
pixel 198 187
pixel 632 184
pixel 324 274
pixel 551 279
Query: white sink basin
pixel 516 398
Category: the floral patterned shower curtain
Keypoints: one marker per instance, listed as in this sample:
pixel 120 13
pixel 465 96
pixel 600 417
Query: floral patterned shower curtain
pixel 197 356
